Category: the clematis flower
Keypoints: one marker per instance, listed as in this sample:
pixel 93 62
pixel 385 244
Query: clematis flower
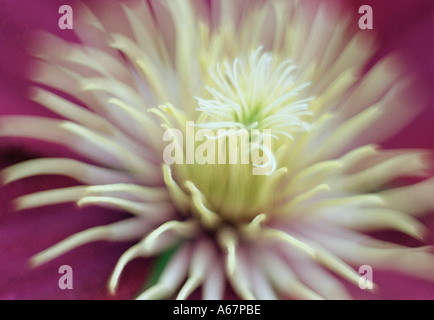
pixel 142 72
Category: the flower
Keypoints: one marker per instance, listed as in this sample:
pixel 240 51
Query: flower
pixel 297 70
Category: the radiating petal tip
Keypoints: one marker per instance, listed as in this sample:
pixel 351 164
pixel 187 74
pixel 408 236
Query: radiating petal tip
pixel 5 177
pixel 35 262
pixel 20 204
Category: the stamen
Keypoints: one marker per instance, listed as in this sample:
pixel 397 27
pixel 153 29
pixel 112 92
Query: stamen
pixel 228 242
pixel 414 200
pixel 179 197
pixel 164 210
pixel 52 131
pixel 186 229
pixel 307 177
pixel 49 197
pixel 192 284
pixel 335 264
pixel 120 231
pixel 274 234
pixel 114 87
pixel 80 171
pixel 372 219
pixel 153 194
pixel 129 159
pixel 141 249
pixel 253 229
pixel 262 287
pixel 70 110
pixel 284 280
pixel 171 278
pixel 209 218
pixel 363 200
pixel 408 164
pixel 286 209
pixel 145 124
pixel 240 89
pixel 357 155
pixel 214 282
pixel 239 277
pixel 348 131
pixel 203 256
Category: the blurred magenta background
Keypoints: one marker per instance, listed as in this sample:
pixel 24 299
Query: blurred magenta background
pixel 402 26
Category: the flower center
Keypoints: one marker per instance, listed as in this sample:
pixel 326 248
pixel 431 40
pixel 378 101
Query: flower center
pixel 255 92
pixel 251 109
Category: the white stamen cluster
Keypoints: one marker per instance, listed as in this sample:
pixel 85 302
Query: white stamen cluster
pixel 255 93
